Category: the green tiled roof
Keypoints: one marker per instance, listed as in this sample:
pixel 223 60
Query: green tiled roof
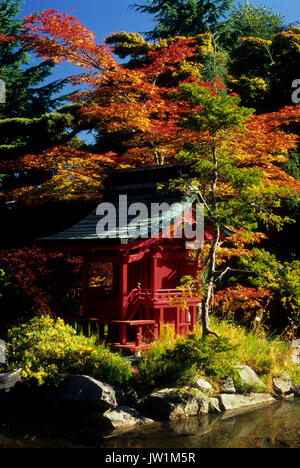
pixel 140 186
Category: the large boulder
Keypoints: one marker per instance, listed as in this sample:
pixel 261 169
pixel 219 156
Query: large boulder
pixel 171 403
pixel 235 402
pixel 86 391
pixel 248 376
pixel 282 385
pixel 123 417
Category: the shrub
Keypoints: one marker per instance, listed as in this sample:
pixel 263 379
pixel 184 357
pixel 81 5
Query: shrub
pixel 175 362
pixel 3 282
pixel 267 355
pixel 48 350
pixel 178 363
pixel 40 283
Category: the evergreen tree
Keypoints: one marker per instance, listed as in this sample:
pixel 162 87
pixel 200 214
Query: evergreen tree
pixel 29 121
pixel 248 20
pixel 183 17
pixel 32 98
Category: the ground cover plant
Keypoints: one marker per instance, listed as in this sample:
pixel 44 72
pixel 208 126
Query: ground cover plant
pixel 178 361
pixel 49 351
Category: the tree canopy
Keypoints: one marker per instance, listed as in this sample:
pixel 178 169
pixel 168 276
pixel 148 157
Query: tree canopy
pixel 183 17
pixel 167 104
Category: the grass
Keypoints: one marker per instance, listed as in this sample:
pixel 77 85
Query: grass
pixel 176 361
pixel 268 356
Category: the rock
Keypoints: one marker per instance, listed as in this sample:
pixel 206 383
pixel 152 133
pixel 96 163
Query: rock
pixel 296 352
pixel 214 406
pixel 9 379
pixel 123 417
pixel 88 391
pixel 2 352
pixel 296 390
pixel 248 376
pixel 282 385
pixel 203 385
pixel 227 386
pixel 290 396
pixel 234 402
pixel 132 399
pixel 120 396
pixel 171 403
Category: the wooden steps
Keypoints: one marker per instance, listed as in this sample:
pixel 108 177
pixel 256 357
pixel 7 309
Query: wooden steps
pixel 130 346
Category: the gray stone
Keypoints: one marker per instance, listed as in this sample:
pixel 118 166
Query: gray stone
pixel 120 396
pixel 282 385
pixel 9 379
pixel 171 403
pixel 235 402
pixel 289 396
pixel 296 390
pixel 123 417
pixel 248 376
pixel 88 391
pixel 132 399
pixel 203 385
pixel 214 406
pixel 296 351
pixel 2 352
pixel 227 386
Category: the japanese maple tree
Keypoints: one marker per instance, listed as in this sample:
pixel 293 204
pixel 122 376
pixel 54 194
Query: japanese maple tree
pixel 236 175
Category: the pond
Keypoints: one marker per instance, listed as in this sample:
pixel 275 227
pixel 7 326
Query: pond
pixel 273 426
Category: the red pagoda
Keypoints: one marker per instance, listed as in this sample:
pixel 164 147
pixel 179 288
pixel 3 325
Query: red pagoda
pixel 129 284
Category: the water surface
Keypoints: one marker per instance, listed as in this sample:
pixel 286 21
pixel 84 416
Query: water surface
pixel 273 426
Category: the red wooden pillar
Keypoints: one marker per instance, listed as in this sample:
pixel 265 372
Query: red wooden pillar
pixel 186 320
pixel 85 287
pixel 194 317
pixel 177 322
pixel 161 318
pixel 157 325
pixel 153 279
pixel 124 296
pixel 161 315
pixel 146 284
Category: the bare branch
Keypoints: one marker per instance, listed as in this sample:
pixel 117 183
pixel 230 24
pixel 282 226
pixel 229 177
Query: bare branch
pixel 227 270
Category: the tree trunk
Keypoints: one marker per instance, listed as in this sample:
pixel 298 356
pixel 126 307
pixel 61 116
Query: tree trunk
pixel 210 285
pixel 212 256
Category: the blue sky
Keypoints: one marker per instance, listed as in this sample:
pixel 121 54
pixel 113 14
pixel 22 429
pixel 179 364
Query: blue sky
pixel 104 17
pixel 107 16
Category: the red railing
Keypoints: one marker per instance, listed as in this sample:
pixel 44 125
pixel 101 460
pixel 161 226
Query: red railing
pixel 160 295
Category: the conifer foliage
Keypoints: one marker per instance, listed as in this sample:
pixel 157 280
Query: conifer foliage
pixel 183 17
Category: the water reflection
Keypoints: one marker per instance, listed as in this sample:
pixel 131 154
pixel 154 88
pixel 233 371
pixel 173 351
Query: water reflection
pixel 274 426
pixel 277 425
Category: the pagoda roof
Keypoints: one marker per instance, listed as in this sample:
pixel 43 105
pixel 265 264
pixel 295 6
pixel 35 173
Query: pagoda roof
pixel 135 186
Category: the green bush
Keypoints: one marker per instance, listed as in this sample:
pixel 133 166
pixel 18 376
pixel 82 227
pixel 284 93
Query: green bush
pixel 3 282
pixel 178 363
pixel 49 350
